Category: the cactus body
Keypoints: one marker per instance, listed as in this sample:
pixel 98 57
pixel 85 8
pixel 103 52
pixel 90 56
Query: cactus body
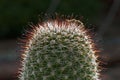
pixel 59 50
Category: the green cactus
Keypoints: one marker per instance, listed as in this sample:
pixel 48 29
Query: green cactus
pixel 59 50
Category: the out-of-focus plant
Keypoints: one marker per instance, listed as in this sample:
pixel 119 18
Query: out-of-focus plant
pixel 14 15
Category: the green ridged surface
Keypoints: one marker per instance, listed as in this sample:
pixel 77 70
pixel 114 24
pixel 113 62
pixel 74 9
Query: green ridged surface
pixel 59 54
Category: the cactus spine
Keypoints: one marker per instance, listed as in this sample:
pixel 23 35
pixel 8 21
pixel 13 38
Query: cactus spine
pixel 59 50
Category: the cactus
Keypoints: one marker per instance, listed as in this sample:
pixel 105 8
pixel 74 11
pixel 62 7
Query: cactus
pixel 59 50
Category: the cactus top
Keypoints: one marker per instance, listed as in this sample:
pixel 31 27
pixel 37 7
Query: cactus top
pixel 59 50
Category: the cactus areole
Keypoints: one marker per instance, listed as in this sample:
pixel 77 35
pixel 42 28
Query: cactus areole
pixel 59 50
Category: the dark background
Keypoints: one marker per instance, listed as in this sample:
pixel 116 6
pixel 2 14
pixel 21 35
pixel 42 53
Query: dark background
pixel 102 16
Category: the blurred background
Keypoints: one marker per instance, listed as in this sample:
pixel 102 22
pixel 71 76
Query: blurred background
pixel 102 16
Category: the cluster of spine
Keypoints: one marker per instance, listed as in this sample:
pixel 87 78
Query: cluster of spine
pixel 59 50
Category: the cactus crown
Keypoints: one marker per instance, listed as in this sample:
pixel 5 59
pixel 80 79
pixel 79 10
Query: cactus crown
pixel 59 50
